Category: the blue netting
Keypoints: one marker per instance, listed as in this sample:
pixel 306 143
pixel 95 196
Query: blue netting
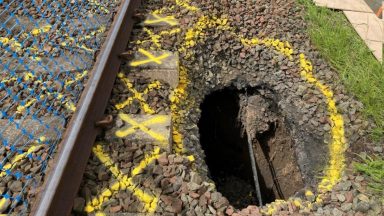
pixel 47 49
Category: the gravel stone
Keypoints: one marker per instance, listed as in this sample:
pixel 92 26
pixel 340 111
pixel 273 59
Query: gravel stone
pixel 362 207
pixel 346 207
pixel 78 204
pixel 337 212
pixel 340 197
pixel 16 186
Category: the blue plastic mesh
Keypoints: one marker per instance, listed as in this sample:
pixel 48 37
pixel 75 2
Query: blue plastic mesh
pixel 47 49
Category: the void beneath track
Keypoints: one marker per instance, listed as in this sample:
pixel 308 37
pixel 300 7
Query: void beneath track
pixel 228 117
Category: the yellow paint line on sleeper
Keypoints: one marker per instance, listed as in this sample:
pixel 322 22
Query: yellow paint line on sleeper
pixel 170 20
pixel 151 58
pixel 143 126
pixel 123 181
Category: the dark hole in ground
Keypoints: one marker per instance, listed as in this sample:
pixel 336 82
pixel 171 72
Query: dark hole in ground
pixel 224 140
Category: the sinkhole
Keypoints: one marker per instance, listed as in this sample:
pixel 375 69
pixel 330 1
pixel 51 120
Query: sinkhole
pixel 230 120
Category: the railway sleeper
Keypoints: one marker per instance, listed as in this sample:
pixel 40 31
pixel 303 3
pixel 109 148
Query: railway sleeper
pixel 158 65
pixel 155 129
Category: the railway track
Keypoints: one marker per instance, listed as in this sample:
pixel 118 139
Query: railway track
pixel 92 124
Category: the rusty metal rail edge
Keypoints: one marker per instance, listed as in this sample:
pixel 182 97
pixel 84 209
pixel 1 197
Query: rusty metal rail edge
pixel 64 177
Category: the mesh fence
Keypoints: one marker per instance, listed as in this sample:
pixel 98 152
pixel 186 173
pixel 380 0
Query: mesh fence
pixel 47 49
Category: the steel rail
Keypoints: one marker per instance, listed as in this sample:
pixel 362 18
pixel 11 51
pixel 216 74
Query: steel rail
pixel 66 170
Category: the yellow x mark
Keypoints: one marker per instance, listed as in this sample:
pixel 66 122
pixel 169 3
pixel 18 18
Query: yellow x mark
pixel 151 58
pixel 137 95
pixel 124 182
pixel 143 126
pixel 158 19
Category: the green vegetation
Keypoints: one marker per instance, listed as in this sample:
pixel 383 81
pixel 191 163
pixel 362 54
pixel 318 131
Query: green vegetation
pixel 359 71
pixel 374 168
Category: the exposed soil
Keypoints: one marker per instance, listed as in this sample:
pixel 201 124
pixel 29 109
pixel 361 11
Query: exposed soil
pixel 228 118
pixel 273 146
pixel 226 150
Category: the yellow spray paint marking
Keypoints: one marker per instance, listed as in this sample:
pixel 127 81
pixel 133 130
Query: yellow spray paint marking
pixel 21 108
pixel 13 43
pixel 186 4
pixel 275 206
pixel 164 9
pixel 100 30
pixel 155 38
pixel 283 47
pixel 178 95
pixel 338 145
pixel 195 34
pixel 83 47
pixel 137 95
pixel 170 20
pixel 19 157
pixel 70 105
pixel 143 126
pixel 38 31
pixel 77 78
pixel 4 40
pixel 35 58
pixel 4 202
pixel 151 58
pixel 99 5
pixel 124 182
pixel 16 46
pixel 191 158
pixel 77 42
pixel 170 32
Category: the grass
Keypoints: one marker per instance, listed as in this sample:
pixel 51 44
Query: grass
pixel 373 167
pixel 360 72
